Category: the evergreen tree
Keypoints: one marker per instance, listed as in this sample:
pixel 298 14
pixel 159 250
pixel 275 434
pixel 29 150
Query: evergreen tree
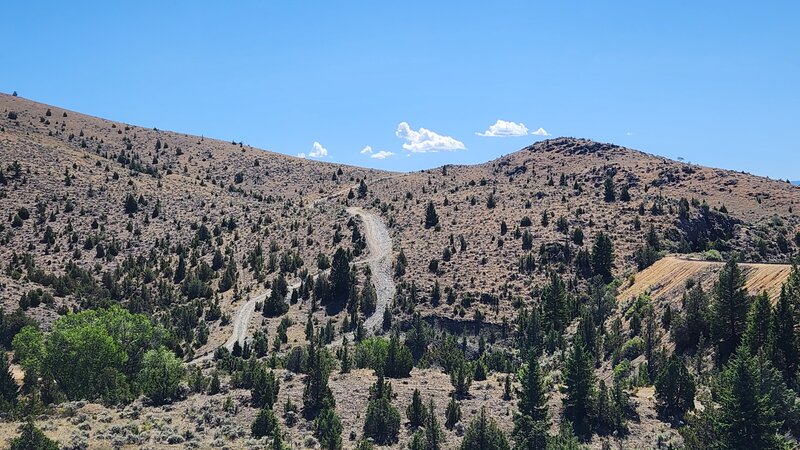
pixel 580 380
pixel 603 256
pixel 675 388
pixel 758 334
pixel 362 189
pixel 693 323
pixel 431 218
pixel 533 394
pixel 8 387
pixel 434 437
pixel 329 429
pixel 275 305
pixel 316 395
pixel 32 438
pixel 131 205
pixel 416 412
pixel 180 271
pixel 554 299
pixel 264 424
pixel 218 262
pixel 729 310
pixel 340 275
pixel 452 414
pixel 608 190
pixel 460 380
pixel 399 361
pixel 530 422
pixel 747 418
pixel 784 337
pixel 484 434
pixel 382 422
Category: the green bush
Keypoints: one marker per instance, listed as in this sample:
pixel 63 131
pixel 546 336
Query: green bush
pixel 161 375
pixel 632 348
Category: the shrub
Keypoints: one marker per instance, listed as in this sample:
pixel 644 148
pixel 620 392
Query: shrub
pixel 161 375
pixel 264 424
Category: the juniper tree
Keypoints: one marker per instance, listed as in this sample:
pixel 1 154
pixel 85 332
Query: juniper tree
pixel 431 218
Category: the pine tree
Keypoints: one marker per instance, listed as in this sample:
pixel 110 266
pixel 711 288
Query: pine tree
pixel 431 218
pixel 434 437
pixel 747 418
pixel 399 361
pixel 758 334
pixel 382 422
pixel 131 205
pixel 347 362
pixel 580 381
pixel 329 429
pixel 362 189
pixel 452 414
pixel 693 323
pixel 460 380
pixel 484 434
pixel 8 387
pixel 32 438
pixel 675 388
pixel 784 337
pixel 608 190
pixel 603 256
pixel 340 275
pixel 180 271
pixel 729 310
pixel 264 424
pixel 530 422
pixel 316 395
pixel 554 304
pixel 416 411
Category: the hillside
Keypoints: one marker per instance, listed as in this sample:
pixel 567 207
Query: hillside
pixel 258 269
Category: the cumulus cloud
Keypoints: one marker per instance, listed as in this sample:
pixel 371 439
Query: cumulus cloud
pixel 541 132
pixel 502 128
pixel 317 151
pixel 424 140
pixel 366 150
pixel 383 154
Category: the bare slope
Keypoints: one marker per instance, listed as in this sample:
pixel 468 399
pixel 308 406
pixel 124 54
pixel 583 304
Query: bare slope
pixel 666 279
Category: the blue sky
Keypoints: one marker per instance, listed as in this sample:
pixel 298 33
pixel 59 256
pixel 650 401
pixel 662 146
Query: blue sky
pixel 713 82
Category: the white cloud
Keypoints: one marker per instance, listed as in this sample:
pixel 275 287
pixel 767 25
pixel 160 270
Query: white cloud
pixel 425 140
pixel 502 128
pixel 366 150
pixel 541 132
pixel 318 151
pixel 383 154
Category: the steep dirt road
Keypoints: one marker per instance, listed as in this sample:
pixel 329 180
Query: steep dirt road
pixel 380 263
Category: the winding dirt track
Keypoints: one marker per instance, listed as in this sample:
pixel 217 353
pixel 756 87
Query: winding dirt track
pixel 379 246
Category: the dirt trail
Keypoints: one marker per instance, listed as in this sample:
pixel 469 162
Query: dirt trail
pixel 667 277
pixel 380 263
pixel 379 247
